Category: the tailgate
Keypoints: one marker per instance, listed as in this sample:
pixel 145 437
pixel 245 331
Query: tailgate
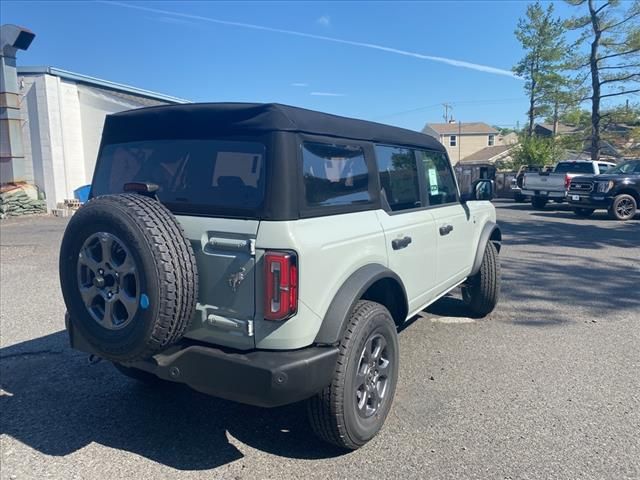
pixel 225 255
pixel 553 182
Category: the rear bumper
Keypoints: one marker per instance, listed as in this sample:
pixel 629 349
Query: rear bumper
pixel 590 201
pixel 544 194
pixel 259 377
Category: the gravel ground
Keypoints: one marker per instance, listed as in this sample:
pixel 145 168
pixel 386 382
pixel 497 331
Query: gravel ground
pixel 547 387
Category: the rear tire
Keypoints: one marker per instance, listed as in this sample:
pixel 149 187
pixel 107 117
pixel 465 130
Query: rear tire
pixel 352 409
pixel 481 292
pixel 583 212
pixel 538 203
pixel 623 207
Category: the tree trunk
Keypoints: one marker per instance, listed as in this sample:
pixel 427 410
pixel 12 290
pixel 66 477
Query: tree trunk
pixel 555 118
pixel 595 84
pixel 532 99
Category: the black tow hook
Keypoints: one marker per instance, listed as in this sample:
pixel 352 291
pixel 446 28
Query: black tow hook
pixel 93 359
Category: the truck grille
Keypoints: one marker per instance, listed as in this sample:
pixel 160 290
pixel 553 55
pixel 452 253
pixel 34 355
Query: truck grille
pixel 581 187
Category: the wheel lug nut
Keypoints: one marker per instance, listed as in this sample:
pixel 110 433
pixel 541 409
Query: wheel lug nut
pixel 109 294
pixel 101 271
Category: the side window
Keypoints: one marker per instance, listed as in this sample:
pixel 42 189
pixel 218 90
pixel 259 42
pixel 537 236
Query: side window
pixel 398 177
pixel 453 140
pixel 603 167
pixel 334 175
pixel 491 140
pixel 439 180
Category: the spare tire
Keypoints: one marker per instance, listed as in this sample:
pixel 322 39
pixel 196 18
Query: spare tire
pixel 128 276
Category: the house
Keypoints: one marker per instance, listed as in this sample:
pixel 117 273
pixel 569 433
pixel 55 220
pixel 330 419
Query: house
pixel 62 117
pixel 464 139
pixel 546 129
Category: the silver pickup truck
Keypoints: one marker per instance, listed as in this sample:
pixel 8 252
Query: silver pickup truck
pixel 545 186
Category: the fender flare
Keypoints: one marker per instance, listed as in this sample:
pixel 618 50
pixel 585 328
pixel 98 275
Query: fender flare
pixel 352 290
pixel 490 232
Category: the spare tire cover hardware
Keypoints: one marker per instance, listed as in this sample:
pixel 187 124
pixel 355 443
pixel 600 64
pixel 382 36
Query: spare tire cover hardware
pixel 102 262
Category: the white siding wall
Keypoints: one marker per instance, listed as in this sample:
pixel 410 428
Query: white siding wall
pixel 62 128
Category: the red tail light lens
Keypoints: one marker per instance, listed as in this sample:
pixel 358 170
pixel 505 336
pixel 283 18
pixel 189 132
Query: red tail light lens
pixel 281 282
pixel 567 181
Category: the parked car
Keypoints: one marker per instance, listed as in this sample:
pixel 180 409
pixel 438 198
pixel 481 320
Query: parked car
pixel 516 182
pixel 617 191
pixel 545 186
pixel 266 254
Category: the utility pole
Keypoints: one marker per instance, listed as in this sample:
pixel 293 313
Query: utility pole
pixel 447 107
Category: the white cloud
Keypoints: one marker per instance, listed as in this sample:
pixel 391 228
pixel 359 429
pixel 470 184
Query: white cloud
pixel 324 21
pixel 299 84
pixel 407 53
pixel 327 94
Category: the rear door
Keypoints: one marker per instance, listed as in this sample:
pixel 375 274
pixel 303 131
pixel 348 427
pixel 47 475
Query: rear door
pixel 409 228
pixel 453 221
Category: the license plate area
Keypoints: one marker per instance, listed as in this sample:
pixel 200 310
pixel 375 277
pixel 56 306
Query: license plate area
pixel 575 198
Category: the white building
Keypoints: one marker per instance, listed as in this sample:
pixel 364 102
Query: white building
pixel 63 115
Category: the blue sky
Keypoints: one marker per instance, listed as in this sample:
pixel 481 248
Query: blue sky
pixel 371 60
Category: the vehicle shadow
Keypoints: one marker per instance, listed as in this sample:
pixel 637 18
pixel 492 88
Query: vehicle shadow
pixel 53 401
pixel 582 234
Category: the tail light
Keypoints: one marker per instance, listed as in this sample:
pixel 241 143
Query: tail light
pixel 567 181
pixel 281 282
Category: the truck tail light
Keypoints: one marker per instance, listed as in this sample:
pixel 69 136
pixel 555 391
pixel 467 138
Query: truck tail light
pixel 281 285
pixel 567 181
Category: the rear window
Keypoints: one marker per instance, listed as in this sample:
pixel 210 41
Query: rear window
pixel 574 167
pixel 192 175
pixel 334 175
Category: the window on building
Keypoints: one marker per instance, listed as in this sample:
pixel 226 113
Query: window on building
pixel 398 178
pixel 334 175
pixel 492 140
pixel 439 180
pixel 453 140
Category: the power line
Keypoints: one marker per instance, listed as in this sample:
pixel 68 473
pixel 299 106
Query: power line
pixel 497 101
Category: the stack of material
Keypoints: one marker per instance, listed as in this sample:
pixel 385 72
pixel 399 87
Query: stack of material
pixel 20 199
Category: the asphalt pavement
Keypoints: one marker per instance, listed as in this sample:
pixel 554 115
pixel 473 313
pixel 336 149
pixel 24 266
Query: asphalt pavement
pixel 548 386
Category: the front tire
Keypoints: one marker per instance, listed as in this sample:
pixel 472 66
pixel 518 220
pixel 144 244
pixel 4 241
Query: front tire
pixel 623 207
pixel 352 409
pixel 481 291
pixel 583 212
pixel 538 203
pixel 519 198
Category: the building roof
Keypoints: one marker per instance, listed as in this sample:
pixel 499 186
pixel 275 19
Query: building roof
pixel 106 84
pixel 472 128
pixel 207 120
pixel 488 153
pixel 562 128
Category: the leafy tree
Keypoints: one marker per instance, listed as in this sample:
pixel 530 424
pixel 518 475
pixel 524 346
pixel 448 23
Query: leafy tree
pixel 533 150
pixel 542 38
pixel 612 65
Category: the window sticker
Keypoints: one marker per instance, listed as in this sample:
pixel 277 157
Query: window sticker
pixel 433 180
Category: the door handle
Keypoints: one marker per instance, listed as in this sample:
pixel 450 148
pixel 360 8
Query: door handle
pixel 446 229
pixel 399 243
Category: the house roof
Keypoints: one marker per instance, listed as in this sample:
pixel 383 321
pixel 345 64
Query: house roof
pixel 106 84
pixel 471 128
pixel 562 128
pixel 487 153
pixel 208 120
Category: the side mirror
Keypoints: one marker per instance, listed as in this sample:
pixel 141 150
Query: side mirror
pixel 483 189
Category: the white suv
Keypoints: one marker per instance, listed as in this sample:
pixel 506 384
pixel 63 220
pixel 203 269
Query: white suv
pixel 267 254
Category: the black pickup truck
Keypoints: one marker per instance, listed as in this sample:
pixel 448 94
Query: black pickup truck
pixel 617 191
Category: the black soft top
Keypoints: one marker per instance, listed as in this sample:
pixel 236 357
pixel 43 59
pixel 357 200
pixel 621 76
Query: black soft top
pixel 210 120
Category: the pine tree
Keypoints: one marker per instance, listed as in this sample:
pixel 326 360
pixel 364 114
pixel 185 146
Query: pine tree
pixel 612 30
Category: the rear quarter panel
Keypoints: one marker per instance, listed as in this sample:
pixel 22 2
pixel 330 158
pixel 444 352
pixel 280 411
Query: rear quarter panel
pixel 329 250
